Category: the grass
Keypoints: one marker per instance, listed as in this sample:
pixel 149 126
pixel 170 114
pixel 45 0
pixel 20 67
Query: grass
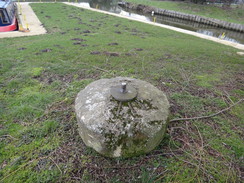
pixel 234 14
pixel 41 76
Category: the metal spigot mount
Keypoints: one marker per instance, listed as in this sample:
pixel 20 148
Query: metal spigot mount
pixel 123 92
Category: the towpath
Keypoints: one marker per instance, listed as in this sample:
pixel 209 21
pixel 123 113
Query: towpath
pixel 29 20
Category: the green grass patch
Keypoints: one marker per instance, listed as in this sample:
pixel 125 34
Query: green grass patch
pixel 206 80
pixel 41 76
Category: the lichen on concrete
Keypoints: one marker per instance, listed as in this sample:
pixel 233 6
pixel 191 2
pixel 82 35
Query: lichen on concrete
pixel 134 128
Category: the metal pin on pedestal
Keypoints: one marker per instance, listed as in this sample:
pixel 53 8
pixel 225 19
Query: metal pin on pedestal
pixel 123 88
pixel 123 93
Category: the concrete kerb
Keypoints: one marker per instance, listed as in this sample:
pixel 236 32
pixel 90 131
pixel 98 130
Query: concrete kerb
pixel 228 43
pixel 30 25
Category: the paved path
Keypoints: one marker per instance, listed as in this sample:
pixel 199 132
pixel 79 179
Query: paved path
pixel 235 45
pixel 28 19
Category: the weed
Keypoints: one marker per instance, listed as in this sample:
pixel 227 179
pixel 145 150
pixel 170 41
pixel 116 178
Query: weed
pixel 37 71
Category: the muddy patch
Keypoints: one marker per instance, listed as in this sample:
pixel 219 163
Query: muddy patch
pixel 58 46
pixel 48 78
pixel 113 54
pixel 77 43
pixel 84 45
pixel 78 39
pixel 113 44
pixel 233 84
pixel 116 25
pixel 95 53
pixel 138 49
pixel 46 50
pixel 22 48
pixel 86 32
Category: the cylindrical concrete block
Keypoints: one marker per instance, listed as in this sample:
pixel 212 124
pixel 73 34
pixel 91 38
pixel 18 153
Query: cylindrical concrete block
pixel 121 129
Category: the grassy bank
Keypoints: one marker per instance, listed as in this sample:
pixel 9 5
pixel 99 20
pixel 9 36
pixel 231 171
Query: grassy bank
pixel 41 76
pixel 235 15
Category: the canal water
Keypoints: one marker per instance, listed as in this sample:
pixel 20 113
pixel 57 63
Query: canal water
pixel 112 6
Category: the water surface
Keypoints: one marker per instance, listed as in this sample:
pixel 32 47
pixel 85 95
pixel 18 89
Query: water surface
pixel 112 6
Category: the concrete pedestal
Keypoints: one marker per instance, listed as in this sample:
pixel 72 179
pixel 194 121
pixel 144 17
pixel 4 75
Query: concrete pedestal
pixel 121 129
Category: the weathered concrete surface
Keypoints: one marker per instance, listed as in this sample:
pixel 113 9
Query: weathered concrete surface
pixel 28 19
pixel 136 128
pixel 228 43
pixel 240 53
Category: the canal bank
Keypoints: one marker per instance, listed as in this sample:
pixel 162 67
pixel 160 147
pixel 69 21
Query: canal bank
pixel 183 16
pixel 228 43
